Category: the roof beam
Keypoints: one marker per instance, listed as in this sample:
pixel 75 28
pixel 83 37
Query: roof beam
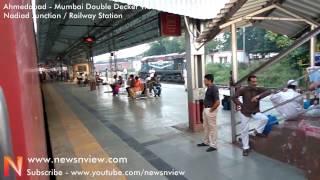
pixel 297 15
pixel 268 8
pixel 216 30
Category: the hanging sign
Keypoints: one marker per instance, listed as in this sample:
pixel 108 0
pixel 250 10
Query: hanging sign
pixel 170 24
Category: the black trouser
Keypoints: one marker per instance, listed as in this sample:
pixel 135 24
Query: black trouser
pixel 157 90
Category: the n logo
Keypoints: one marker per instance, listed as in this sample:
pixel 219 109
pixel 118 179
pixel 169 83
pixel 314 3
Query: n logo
pixel 17 167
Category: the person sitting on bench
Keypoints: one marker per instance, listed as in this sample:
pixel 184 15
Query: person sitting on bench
pixel 137 88
pixel 115 85
pixel 292 109
pixel 154 85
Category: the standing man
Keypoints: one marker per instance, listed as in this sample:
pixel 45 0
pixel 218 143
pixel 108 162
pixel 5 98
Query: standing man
pixel 250 108
pixel 211 103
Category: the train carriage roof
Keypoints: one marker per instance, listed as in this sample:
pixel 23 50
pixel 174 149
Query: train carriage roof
pixel 166 57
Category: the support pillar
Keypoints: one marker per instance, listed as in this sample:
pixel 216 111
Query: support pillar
pixel 312 48
pixel 90 62
pixel 234 79
pixel 195 74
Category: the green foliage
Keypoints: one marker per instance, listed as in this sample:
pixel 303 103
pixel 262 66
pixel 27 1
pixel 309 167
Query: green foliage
pixel 156 48
pixel 279 40
pixel 275 76
pixel 256 41
pixel 166 46
pixel 221 72
pixel 212 45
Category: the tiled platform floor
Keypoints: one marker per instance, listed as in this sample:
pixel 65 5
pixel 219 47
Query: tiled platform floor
pixel 144 132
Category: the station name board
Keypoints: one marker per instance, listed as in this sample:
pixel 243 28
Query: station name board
pixel 170 24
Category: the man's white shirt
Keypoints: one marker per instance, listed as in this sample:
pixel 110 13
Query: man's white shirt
pixel 291 109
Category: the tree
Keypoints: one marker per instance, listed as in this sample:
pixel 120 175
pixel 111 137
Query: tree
pixel 215 44
pixel 156 48
pixel 166 45
pixel 256 41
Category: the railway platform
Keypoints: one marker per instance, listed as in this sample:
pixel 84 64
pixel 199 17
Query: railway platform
pixel 150 133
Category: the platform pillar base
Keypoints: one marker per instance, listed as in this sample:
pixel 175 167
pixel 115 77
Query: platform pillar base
pixel 196 128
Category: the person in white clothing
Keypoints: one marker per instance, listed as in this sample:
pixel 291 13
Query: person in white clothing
pixel 151 72
pixel 185 79
pixel 125 73
pixel 292 109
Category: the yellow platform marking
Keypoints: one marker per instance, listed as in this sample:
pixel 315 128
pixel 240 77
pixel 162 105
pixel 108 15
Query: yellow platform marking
pixel 82 141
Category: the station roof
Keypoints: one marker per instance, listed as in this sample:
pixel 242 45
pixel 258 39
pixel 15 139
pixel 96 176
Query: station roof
pixel 63 37
pixel 307 9
pixel 197 9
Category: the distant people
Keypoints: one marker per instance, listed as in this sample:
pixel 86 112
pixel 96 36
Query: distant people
pixel 86 79
pixel 98 78
pixel 130 84
pixel 292 109
pixel 138 86
pixel 115 85
pixel 79 78
pixel 185 79
pixel 250 109
pixel 152 72
pixel 125 73
pixel 211 103
pixel 120 80
pixel 67 76
pixel 154 85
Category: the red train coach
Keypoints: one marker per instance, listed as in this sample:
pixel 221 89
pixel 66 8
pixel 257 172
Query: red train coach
pixel 21 104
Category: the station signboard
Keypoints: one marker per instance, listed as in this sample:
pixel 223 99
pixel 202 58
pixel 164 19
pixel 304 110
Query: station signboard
pixel 170 24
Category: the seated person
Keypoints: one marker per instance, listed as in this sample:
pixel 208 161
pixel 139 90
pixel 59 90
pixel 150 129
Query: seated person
pixel 86 79
pixel 292 109
pixel 115 85
pixel 154 84
pixel 98 79
pixel 314 109
pixel 120 83
pixel 79 78
pixel 314 86
pixel 130 83
pixel 138 86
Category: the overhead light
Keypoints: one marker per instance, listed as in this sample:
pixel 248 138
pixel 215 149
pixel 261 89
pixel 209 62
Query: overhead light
pixel 89 39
